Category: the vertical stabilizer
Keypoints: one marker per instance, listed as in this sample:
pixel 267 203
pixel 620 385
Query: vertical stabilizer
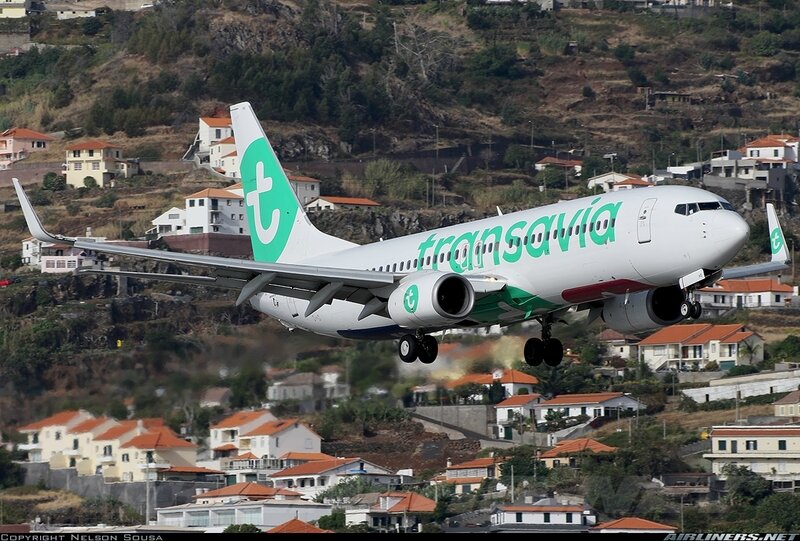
pixel 279 228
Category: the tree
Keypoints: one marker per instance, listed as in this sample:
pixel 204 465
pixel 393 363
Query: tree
pixel 745 487
pixel 334 521
pixel 91 26
pixel 241 528
pixel 54 182
pixel 555 420
pixel 782 510
pixel 89 182
pixel 11 473
pixel 468 390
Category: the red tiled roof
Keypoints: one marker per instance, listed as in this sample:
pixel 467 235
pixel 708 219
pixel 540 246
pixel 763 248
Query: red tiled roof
pixel 634 182
pixel 91 145
pixel 583 398
pixel 464 480
pixel 767 142
pixel 362 201
pixel 159 438
pixel 477 463
pixel 509 376
pixel 580 445
pixel 189 469
pixel 240 418
pixel 25 133
pixel 214 192
pixel 272 427
pixel 61 418
pixel 88 425
pixel 542 508
pixel 115 432
pixel 231 155
pixel 515 376
pixel 632 523
pixel 697 334
pixel 755 431
pixel 411 502
pixel 297 526
pixel 226 447
pixel 675 334
pixel 302 178
pixel 550 160
pixel 214 122
pixel 251 490
pixel 716 332
pixel 791 398
pixel 227 141
pixel 315 467
pixel 294 455
pixel 246 456
pixel 517 400
pixel 750 285
pixel 481 379
pixel 735 338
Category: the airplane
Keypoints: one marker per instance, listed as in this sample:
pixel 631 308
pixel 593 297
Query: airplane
pixel 632 258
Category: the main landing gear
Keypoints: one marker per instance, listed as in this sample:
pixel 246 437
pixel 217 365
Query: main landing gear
pixel 545 349
pixel 419 346
pixel 691 309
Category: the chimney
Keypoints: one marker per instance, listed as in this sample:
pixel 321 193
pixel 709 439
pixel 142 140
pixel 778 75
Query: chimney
pixel 449 462
pixel 88 231
pixel 491 454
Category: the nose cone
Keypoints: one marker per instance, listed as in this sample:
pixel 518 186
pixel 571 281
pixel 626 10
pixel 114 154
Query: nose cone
pixel 729 233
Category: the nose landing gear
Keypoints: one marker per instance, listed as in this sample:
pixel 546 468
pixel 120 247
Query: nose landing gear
pixel 545 349
pixel 420 346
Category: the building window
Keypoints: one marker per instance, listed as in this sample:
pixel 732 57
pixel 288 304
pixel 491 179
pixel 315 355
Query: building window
pixel 76 153
pixel 781 445
pixel 201 202
pixel 91 153
pixel 191 202
pixel 107 450
pixel 229 202
pixel 777 298
pixel 547 518
pixel 233 216
pixel 751 445
pixel 72 264
pixel 78 166
pixel 218 134
pixel 241 230
pixel 58 435
pixel 519 517
pixel 95 166
pixel 722 445
pixel 569 518
pixel 126 457
pixel 241 216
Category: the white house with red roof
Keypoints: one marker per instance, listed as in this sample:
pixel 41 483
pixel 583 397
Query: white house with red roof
pixel 788 406
pixel 726 295
pixel 224 435
pixel 158 448
pixel 49 436
pixel 631 183
pixel 570 452
pixel 633 525
pixel 81 451
pixel 606 181
pixel 697 344
pixel 774 147
pixel 618 344
pixel 547 515
pixel 99 160
pixel 592 405
pixel 511 409
pixel 19 143
pixel 330 202
pixel 54 258
pixel 210 131
pixel 468 476
pixel 312 478
pixel 215 210
pixel 513 381
pixel 245 492
pixel 551 161
pixel 394 512
pixel 771 451
pixel 217 151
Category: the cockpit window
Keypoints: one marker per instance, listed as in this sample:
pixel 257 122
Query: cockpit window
pixel 690 208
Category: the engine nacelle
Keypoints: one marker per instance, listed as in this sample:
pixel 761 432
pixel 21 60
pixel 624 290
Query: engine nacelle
pixel 431 299
pixel 645 310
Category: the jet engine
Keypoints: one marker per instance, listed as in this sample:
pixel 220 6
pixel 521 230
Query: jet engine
pixel 431 299
pixel 644 310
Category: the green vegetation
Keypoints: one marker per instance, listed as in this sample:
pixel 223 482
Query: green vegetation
pixel 241 528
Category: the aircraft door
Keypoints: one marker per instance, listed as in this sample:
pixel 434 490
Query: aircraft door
pixel 643 227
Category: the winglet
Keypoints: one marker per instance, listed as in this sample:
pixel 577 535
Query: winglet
pixel 34 224
pixel 777 242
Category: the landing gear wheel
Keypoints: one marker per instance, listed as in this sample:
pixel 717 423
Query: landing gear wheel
pixel 686 309
pixel 428 350
pixel 409 348
pixel 553 352
pixel 697 310
pixel 534 351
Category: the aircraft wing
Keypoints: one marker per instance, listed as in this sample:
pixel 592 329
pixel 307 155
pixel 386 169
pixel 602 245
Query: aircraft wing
pixel 317 284
pixel 780 253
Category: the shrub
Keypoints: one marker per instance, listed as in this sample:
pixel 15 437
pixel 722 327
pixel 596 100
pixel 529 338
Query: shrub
pixel 54 182
pixel 588 92
pixel 89 182
pixel 106 200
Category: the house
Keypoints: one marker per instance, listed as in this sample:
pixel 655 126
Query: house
pixel 224 435
pixel 142 455
pixel 215 210
pixel 172 222
pixel 19 143
pixel 217 151
pixel 550 161
pixel 788 406
pixel 68 11
pixel 48 436
pixel 245 491
pixel 193 474
pixel 99 160
pixel 592 405
pixel 695 345
pixel 330 202
pixel 570 452
pixel 726 295
pixel 547 515
pixel 774 147
pixel 335 389
pixel 633 525
pixel 264 514
pixel 630 184
pixel 15 9
pixel 297 526
pixel 772 452
pixel 624 346
pixel 210 131
pixel 305 188
pixel 307 388
pixel 762 179
pixel 315 477
pixel 513 408
pixel 606 181
pixel 513 381
pixel 216 397
pixel 115 463
pixel 468 476
pixel 398 512
pixel 82 436
pixel 295 458
pixel 275 438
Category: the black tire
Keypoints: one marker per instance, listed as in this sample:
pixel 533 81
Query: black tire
pixel 534 351
pixel 686 309
pixel 697 310
pixel 408 348
pixel 429 349
pixel 553 352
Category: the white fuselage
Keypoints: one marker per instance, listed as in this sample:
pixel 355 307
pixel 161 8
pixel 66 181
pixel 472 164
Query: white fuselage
pixel 559 255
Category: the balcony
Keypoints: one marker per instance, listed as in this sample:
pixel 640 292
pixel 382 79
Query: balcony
pixel 155 466
pixel 29 446
pixel 72 452
pixel 107 459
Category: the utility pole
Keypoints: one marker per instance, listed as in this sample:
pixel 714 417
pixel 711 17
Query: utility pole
pixel 531 123
pixel 664 427
pixel 147 491
pixel 512 483
pixel 682 513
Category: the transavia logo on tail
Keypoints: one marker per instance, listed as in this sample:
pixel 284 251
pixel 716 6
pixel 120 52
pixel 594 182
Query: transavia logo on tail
pixel 776 240
pixel 411 299
pixel 271 205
